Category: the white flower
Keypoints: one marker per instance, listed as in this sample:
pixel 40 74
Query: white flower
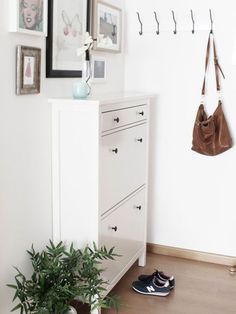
pixel 88 39
pixel 88 43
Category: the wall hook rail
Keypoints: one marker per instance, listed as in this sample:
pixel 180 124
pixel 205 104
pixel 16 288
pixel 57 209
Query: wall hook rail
pixel 158 24
pixel 192 17
pixel 173 15
pixel 176 26
pixel 141 24
pixel 211 31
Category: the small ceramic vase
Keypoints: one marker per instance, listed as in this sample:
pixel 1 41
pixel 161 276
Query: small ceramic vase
pixel 81 90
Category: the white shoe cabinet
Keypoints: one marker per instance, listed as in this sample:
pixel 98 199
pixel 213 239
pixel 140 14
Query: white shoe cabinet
pixel 100 176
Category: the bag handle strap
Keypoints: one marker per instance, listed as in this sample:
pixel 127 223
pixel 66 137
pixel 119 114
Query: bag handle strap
pixel 216 63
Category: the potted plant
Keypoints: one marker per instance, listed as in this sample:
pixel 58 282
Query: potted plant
pixel 59 276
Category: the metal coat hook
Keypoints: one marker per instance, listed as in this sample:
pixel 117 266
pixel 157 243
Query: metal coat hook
pixel 173 15
pixel 158 24
pixel 211 31
pixel 141 25
pixel 193 30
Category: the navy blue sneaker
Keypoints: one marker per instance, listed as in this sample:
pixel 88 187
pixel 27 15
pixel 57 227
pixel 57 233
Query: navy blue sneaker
pixel 160 276
pixel 152 287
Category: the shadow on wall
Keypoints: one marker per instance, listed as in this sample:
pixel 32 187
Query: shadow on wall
pixel 152 159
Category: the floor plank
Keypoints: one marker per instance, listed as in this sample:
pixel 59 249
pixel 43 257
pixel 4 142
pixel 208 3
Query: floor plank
pixel 201 288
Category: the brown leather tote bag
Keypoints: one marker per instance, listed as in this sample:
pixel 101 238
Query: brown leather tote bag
pixel 211 134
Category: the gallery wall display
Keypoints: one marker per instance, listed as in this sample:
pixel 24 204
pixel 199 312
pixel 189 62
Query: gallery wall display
pixel 68 22
pixel 28 70
pixel 107 26
pixel 28 16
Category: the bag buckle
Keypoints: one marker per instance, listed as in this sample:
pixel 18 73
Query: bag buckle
pixel 219 96
pixel 203 99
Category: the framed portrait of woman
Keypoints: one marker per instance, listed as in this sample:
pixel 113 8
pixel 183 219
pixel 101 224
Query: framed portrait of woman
pixel 28 16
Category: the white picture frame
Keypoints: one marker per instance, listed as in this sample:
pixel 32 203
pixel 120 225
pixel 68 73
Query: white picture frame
pixel 28 17
pixel 107 27
pixel 98 67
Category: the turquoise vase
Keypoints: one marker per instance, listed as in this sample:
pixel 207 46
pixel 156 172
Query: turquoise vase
pixel 81 90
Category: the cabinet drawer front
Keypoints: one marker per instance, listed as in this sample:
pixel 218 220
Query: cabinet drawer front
pixel 123 165
pixel 117 118
pixel 124 229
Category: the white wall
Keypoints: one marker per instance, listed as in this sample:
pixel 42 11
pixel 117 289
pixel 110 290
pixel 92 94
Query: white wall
pixel 192 197
pixel 25 166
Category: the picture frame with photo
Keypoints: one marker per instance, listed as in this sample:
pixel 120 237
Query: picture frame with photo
pixel 107 27
pixel 98 67
pixel 28 70
pixel 28 17
pixel 68 22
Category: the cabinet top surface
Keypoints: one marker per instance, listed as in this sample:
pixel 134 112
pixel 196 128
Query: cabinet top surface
pixel 103 99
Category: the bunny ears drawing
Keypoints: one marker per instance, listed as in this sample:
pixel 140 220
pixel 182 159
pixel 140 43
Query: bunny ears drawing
pixel 72 26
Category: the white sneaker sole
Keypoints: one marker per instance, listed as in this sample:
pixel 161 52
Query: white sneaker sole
pixel 159 294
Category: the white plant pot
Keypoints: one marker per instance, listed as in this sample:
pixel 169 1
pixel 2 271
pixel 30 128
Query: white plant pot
pixel 72 310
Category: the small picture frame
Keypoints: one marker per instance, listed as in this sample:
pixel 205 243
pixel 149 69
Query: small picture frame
pixel 28 70
pixel 98 65
pixel 107 27
pixel 28 16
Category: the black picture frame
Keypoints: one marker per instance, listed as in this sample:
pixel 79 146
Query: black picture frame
pixel 50 71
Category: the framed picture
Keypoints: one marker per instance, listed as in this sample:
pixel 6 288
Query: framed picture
pixel 28 16
pixel 98 65
pixel 68 21
pixel 28 70
pixel 107 27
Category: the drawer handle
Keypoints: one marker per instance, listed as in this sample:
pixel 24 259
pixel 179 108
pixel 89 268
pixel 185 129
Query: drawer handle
pixel 139 207
pixel 140 140
pixel 115 150
pixel 141 113
pixel 114 228
pixel 117 119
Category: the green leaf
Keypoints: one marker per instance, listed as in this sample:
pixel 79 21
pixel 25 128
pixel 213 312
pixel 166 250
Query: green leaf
pixel 59 245
pixel 18 306
pixel 30 253
pixel 15 296
pixel 52 245
pixel 11 286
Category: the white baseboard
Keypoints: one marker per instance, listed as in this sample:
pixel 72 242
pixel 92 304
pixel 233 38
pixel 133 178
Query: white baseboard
pixel 192 255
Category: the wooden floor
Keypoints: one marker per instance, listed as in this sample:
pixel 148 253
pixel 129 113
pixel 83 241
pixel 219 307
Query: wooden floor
pixel 201 288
